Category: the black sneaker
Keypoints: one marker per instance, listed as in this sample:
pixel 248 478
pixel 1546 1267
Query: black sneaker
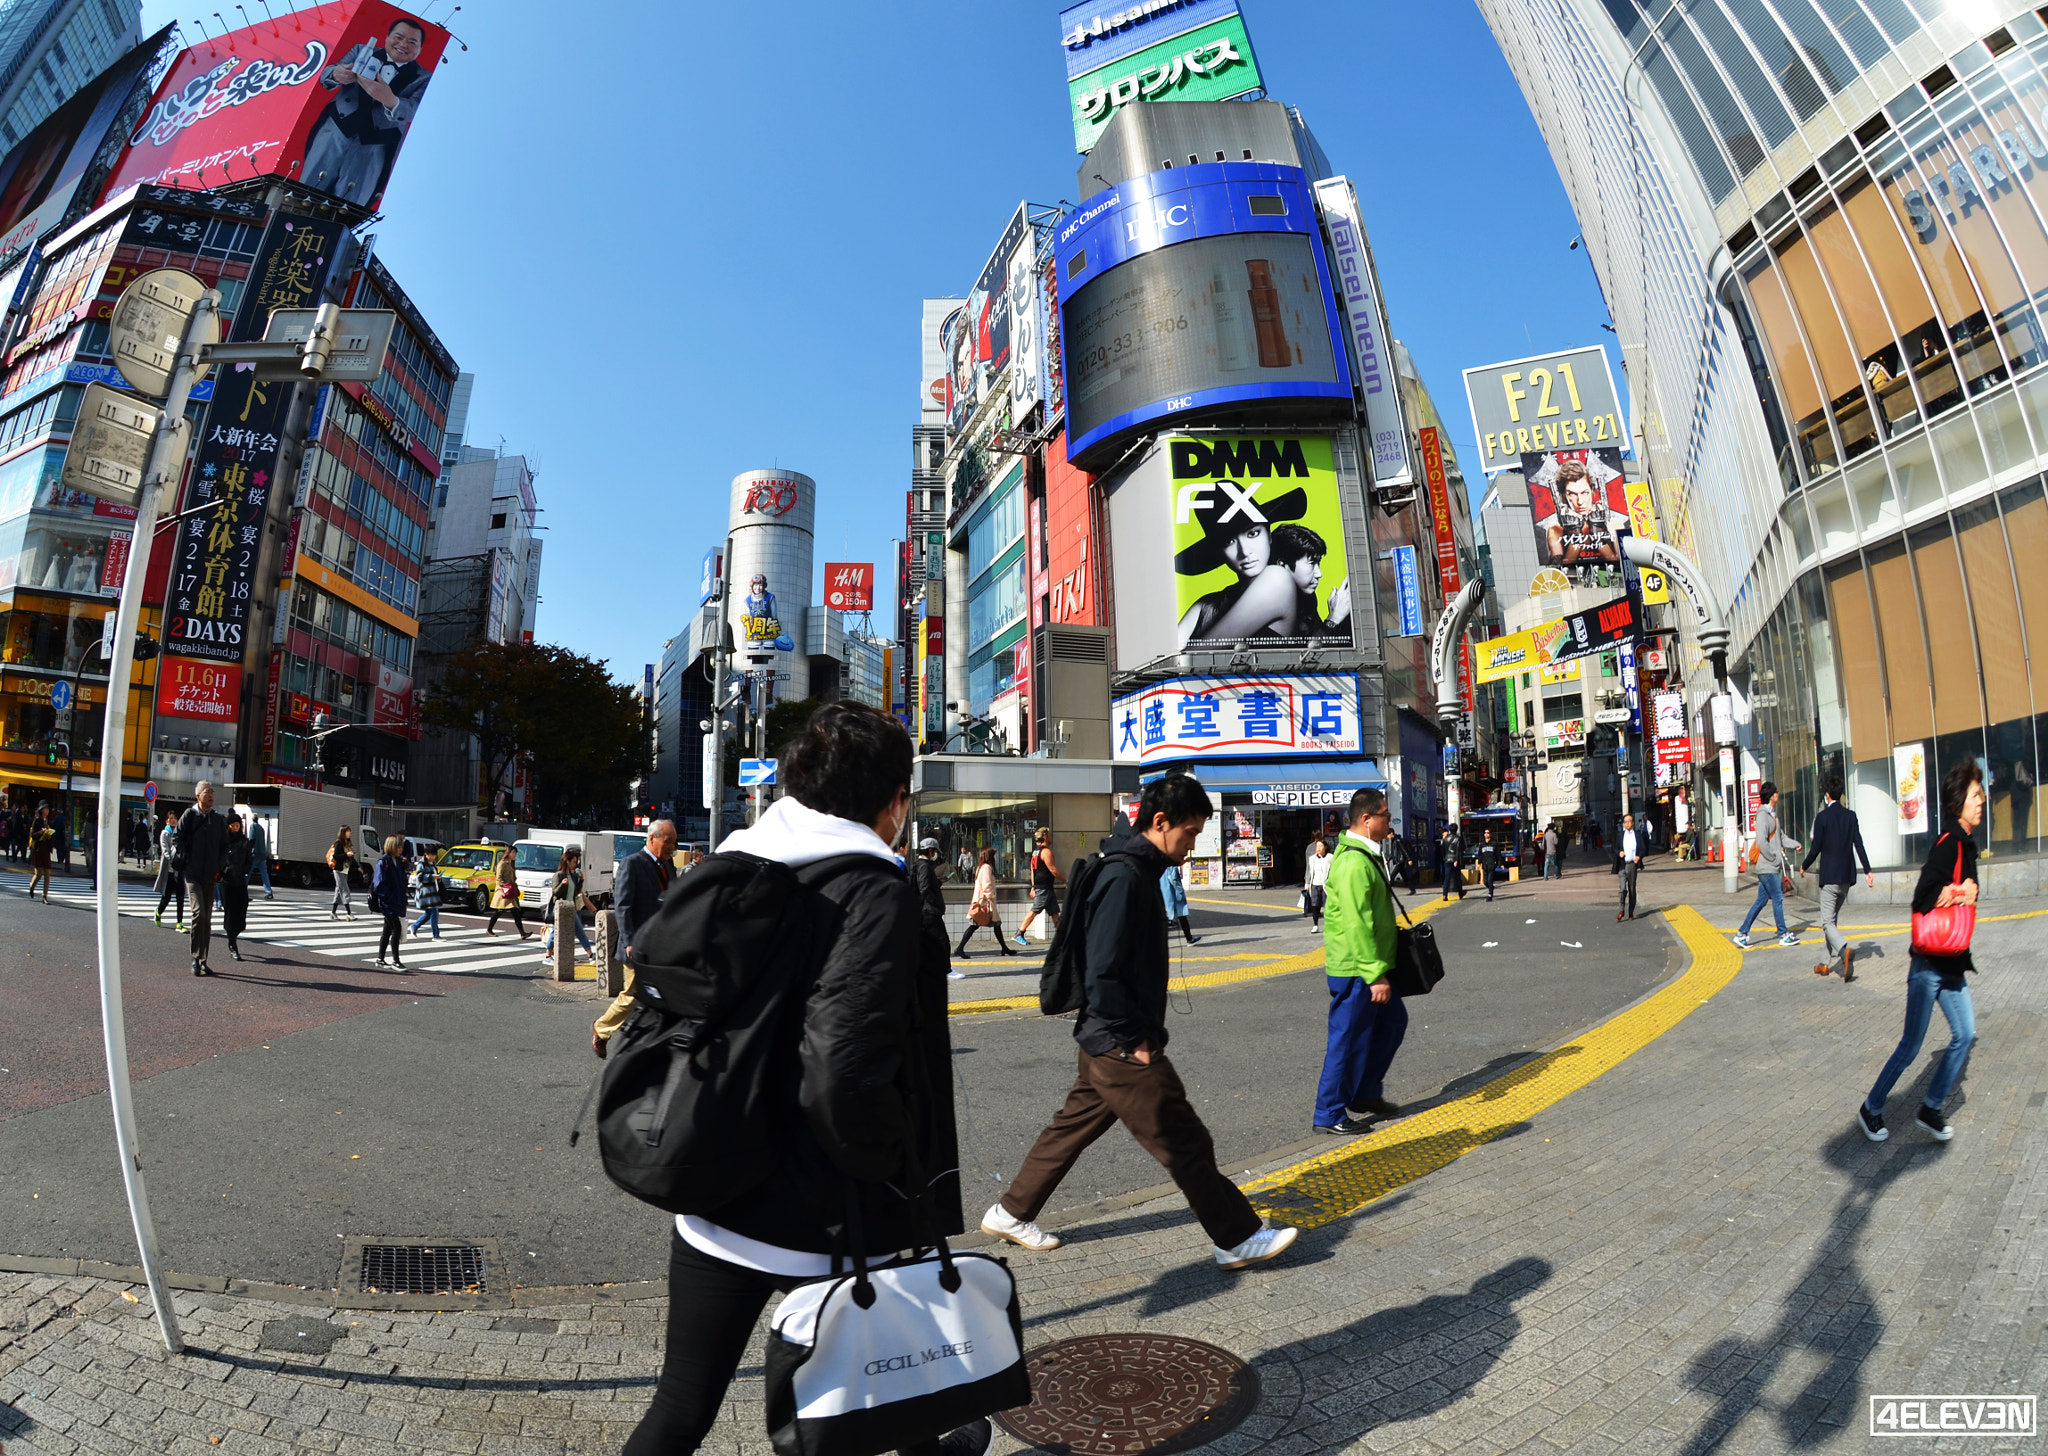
pixel 1872 1125
pixel 1937 1126
pixel 973 1439
pixel 1344 1127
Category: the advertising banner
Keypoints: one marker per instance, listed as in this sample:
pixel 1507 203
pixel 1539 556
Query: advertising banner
pixel 1565 733
pixel 1407 592
pixel 1670 711
pixel 1258 541
pixel 115 568
pixel 1556 401
pixel 207 690
pixel 1212 62
pixel 1674 750
pixel 39 178
pixel 1448 574
pixel 1558 672
pixel 1094 35
pixel 1028 313
pixel 214 566
pixel 1909 772
pixel 850 586
pixel 1642 519
pixel 1357 285
pixel 1580 635
pixel 1631 683
pixel 1239 717
pixel 977 338
pixel 391 707
pixel 1069 528
pixel 324 97
pixel 1577 502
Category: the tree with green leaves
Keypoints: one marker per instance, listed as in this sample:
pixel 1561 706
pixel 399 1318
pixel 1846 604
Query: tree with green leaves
pixel 583 736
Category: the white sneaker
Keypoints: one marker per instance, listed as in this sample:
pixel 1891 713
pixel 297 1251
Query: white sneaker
pixel 1788 938
pixel 998 1222
pixel 1267 1243
pixel 956 975
pixel 1742 942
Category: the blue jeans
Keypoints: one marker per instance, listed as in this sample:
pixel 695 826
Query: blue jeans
pixel 429 917
pixel 548 946
pixel 1364 1035
pixel 1923 990
pixel 263 864
pixel 1769 888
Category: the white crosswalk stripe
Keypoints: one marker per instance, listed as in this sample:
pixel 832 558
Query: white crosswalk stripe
pixel 307 924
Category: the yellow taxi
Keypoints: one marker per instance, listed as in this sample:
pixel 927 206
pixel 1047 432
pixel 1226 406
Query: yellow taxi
pixel 467 873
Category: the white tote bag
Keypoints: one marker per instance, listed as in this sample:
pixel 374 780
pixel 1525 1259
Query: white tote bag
pixel 866 1362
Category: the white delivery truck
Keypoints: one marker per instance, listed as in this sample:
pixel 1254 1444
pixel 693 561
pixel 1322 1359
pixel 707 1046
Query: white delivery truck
pixel 535 857
pixel 300 824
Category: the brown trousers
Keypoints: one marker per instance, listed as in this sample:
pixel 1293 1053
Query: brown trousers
pixel 1153 1105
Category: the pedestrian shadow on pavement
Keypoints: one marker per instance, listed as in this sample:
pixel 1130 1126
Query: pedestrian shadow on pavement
pixel 1431 1353
pixel 1831 1312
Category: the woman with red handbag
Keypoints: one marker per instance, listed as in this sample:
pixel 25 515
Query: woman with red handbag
pixel 1944 915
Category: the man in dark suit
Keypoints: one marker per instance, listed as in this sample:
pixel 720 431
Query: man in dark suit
pixel 931 898
pixel 641 882
pixel 202 838
pixel 1835 839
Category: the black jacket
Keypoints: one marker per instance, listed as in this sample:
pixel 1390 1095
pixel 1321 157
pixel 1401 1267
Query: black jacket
pixel 201 838
pixel 237 858
pixel 924 878
pixel 1938 872
pixel 1124 980
pixel 869 1076
pixel 1836 835
pixel 642 882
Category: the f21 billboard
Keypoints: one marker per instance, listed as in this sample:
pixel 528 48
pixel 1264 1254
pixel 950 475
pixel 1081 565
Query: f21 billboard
pixel 1190 291
pixel 322 97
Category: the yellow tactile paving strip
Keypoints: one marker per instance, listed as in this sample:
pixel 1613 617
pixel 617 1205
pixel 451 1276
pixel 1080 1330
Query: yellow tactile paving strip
pixel 1340 1182
pixel 1265 966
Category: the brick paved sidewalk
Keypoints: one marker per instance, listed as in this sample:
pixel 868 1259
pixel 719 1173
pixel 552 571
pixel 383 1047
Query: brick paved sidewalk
pixel 1696 1252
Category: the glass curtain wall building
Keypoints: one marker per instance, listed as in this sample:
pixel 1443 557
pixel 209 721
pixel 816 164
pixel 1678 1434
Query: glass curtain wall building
pixel 1822 229
pixel 50 48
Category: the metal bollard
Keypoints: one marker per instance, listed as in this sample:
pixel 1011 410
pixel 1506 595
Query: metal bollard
pixel 565 941
pixel 611 973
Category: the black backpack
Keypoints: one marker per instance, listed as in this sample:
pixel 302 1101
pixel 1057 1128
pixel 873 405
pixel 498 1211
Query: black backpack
pixel 1062 983
pixel 686 1102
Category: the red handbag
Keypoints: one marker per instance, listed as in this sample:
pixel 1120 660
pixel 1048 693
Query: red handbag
pixel 1946 929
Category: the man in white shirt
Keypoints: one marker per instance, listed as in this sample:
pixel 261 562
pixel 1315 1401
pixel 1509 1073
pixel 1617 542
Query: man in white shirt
pixel 1628 859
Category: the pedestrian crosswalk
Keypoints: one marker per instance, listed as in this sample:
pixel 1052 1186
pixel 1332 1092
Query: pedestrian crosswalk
pixel 302 922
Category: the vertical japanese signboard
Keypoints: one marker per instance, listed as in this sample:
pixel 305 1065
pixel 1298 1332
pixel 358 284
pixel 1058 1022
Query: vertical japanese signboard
pixel 214 572
pixel 1448 574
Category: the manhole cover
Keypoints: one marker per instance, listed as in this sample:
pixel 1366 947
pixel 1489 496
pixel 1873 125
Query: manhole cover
pixel 418 1266
pixel 1118 1395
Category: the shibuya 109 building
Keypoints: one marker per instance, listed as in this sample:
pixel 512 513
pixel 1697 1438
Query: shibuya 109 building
pixel 1821 228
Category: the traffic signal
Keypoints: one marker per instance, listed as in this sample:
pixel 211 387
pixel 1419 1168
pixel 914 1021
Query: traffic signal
pixel 146 647
pixel 54 752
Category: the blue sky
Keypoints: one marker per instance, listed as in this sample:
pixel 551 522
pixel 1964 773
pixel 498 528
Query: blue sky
pixel 675 242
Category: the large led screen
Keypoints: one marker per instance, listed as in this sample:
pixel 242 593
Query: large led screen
pixel 1244 309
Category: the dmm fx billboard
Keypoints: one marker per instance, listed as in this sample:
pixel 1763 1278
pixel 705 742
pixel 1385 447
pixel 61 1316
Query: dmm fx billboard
pixel 323 97
pixel 1562 401
pixel 1211 62
pixel 1193 292
pixel 1282 716
pixel 1580 635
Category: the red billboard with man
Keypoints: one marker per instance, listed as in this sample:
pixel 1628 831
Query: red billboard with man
pixel 322 96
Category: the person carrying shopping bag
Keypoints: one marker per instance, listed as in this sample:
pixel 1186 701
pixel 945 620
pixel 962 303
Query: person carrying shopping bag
pixel 505 897
pixel 981 908
pixel 568 887
pixel 1770 852
pixel 1944 917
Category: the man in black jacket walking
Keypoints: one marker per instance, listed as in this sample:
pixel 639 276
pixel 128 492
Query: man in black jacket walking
pixel 931 898
pixel 642 881
pixel 201 837
pixel 1836 836
pixel 1125 1075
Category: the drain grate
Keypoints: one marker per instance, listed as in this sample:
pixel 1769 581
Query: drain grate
pixel 419 1266
pixel 1107 1395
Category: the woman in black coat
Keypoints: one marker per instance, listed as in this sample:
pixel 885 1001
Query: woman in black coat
pixel 868 1110
pixel 237 858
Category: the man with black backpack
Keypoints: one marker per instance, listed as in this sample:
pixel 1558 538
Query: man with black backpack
pixel 832 1099
pixel 1124 1073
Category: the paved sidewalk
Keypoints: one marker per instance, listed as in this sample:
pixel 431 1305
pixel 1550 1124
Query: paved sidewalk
pixel 1694 1251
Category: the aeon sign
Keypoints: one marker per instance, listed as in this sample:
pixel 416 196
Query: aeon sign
pixel 769 498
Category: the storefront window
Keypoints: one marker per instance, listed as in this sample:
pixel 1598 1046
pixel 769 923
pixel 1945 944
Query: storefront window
pixel 966 824
pixel 53 637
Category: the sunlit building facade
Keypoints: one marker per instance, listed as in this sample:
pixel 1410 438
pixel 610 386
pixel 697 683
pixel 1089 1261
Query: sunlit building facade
pixel 1821 227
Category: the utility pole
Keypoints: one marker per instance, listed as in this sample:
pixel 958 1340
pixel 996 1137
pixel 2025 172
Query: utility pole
pixel 721 655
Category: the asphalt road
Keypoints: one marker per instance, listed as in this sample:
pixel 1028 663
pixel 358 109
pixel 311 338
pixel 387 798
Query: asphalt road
pixel 296 1099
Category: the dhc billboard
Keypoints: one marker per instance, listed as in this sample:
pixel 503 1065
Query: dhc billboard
pixel 1189 290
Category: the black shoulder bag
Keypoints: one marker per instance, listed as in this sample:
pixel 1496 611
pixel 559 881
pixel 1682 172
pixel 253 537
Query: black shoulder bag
pixel 1418 964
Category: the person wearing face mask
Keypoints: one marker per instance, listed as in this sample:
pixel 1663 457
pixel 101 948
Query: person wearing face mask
pixel 867 1112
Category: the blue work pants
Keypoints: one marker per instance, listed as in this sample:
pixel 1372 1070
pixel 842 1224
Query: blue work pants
pixel 1364 1035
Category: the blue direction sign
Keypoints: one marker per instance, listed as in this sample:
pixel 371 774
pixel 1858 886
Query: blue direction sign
pixel 60 695
pixel 755 772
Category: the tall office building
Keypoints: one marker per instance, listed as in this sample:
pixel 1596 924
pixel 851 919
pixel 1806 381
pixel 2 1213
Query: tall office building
pixel 50 48
pixel 1822 231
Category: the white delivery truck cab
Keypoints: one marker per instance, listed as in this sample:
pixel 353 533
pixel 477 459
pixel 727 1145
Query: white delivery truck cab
pixel 534 859
pixel 300 825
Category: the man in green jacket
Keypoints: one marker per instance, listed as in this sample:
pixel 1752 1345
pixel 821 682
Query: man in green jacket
pixel 1367 1020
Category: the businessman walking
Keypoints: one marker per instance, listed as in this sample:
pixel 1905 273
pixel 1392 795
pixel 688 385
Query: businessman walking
pixel 1836 837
